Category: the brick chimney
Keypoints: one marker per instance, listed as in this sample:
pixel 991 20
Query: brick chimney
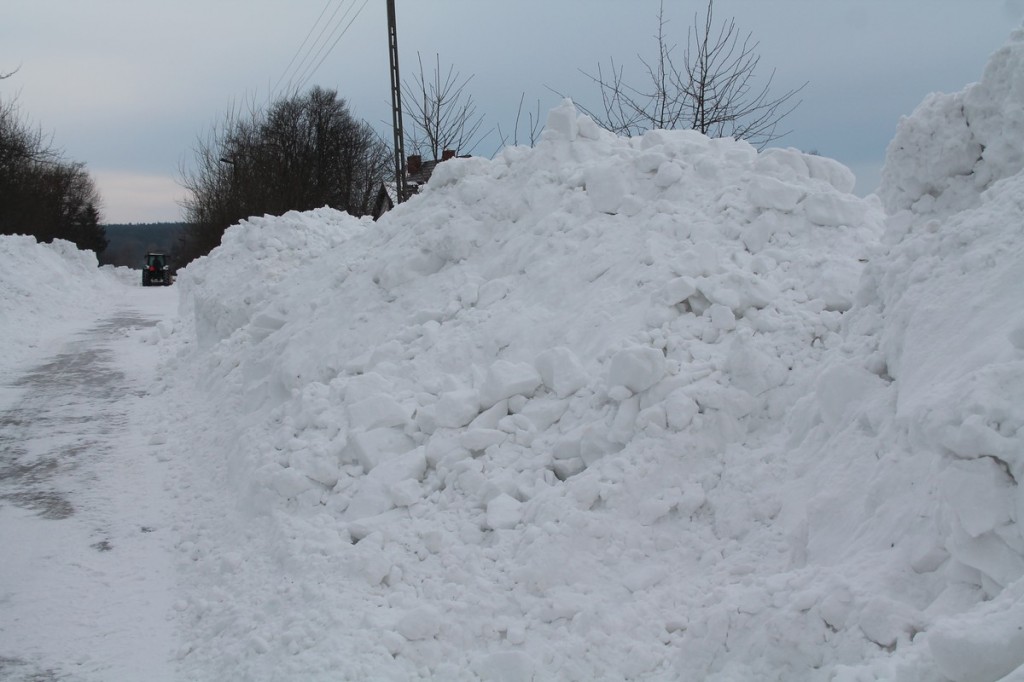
pixel 447 154
pixel 413 164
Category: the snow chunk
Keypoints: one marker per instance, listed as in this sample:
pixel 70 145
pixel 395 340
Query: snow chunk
pixel 676 290
pixel 372 447
pixel 831 171
pixel 457 408
pixel 561 123
pixel 983 647
pixel 669 173
pixel 478 440
pixel 637 368
pixel 408 466
pixel 767 192
pixel 606 187
pixel 419 624
pixel 955 146
pixel 980 493
pixel 506 666
pixel 506 379
pixel 377 411
pixel 833 210
pixel 722 317
pixel 843 391
pixel 680 409
pixel 503 512
pixel 561 371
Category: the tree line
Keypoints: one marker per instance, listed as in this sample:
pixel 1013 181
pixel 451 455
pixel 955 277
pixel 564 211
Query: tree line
pixel 308 150
pixel 129 241
pixel 41 193
pixel 303 152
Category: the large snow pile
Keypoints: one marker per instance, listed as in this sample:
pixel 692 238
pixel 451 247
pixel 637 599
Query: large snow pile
pixel 52 287
pixel 657 408
pixel 955 146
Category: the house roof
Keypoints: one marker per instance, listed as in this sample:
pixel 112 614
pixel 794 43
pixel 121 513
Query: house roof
pixel 421 176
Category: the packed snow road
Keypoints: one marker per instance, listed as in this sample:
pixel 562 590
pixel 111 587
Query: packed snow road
pixel 86 575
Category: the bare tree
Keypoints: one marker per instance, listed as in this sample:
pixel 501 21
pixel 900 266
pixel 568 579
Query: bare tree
pixel 303 152
pixel 714 90
pixel 442 111
pixel 40 193
pixel 533 131
pixel 19 143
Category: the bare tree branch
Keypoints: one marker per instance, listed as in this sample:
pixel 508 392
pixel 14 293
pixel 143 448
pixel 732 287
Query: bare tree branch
pixel 301 153
pixel 714 91
pixel 443 113
pixel 533 131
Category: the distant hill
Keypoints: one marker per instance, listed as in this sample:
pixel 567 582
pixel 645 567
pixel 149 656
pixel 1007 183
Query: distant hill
pixel 129 243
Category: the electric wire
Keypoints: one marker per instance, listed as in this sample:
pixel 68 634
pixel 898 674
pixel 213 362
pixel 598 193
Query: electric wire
pixel 325 49
pixel 329 28
pixel 335 43
pixel 314 51
pixel 299 51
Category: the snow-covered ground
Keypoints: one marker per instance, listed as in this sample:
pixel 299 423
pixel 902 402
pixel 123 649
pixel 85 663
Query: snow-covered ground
pixel 661 408
pixel 87 575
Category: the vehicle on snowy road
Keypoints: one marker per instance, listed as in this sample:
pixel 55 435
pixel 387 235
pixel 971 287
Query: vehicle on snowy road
pixel 156 270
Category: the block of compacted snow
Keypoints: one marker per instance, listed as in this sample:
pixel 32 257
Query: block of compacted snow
pixel 491 417
pixel 506 666
pixel 561 371
pixel 457 408
pixel 680 409
pixel 832 209
pixel 369 501
pixel 980 493
pixel 419 624
pixel 504 511
pixel 561 123
pixel 669 173
pixel 505 379
pixel 637 368
pixel 403 467
pixel 370 448
pixel 405 493
pixel 377 411
pixel 722 317
pixel 676 290
pixel 767 192
pixel 981 647
pixel 606 187
pixel 478 440
pixel 831 171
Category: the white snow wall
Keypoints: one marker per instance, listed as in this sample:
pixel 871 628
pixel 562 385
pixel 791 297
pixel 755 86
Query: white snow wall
pixel 701 410
pixel 44 288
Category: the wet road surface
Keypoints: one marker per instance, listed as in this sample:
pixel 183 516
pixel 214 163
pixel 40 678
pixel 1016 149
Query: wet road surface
pixel 82 537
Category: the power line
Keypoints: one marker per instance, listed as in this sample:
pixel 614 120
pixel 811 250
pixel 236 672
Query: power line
pixel 297 52
pixel 335 43
pixel 314 49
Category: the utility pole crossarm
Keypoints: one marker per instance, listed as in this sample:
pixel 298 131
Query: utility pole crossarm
pixel 396 105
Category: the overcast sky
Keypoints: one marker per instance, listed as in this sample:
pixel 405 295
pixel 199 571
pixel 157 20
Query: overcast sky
pixel 127 86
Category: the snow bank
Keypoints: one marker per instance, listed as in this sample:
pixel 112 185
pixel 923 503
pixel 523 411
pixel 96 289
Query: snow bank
pixel 545 385
pixel 955 146
pixel 938 320
pixel 255 258
pixel 46 291
pixel 656 408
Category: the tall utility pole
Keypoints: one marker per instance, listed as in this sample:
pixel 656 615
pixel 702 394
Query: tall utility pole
pixel 396 106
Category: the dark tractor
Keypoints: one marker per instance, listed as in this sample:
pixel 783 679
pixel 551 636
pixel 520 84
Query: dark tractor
pixel 156 270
